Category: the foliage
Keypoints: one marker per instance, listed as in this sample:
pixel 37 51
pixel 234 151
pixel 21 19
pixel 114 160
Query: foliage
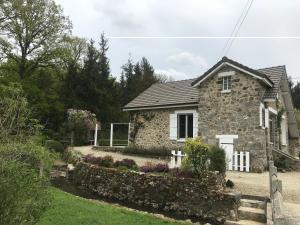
pixel 72 157
pixel 73 210
pixel 79 123
pixel 282 163
pixel 24 195
pixel 31 39
pixel 55 146
pixel 150 167
pixel 106 161
pixel 136 78
pixel 217 159
pixel 197 155
pixel 179 173
pixel 15 119
pixel 154 151
pixel 229 183
pixel 128 163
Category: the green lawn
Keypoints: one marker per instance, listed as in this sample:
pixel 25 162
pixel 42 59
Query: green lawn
pixel 71 210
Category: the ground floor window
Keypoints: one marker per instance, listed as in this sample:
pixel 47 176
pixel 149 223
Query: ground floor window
pixel 185 125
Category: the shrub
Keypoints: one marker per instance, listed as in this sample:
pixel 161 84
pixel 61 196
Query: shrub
pixel 229 183
pixel 72 157
pixel 127 163
pixel 176 172
pixel 55 146
pixel 217 159
pixel 197 155
pixel 150 167
pixel 106 161
pixel 281 163
pixel 136 150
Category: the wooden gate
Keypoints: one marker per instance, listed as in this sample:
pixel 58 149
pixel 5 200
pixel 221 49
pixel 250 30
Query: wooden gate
pixel 240 161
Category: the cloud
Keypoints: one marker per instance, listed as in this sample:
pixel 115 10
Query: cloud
pixel 172 74
pixel 188 59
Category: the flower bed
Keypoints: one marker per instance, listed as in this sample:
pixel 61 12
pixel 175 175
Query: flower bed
pixel 203 198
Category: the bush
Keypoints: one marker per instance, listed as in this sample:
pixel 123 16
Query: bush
pixel 24 194
pixel 135 150
pixel 229 184
pixel 197 155
pixel 150 167
pixel 55 146
pixel 72 157
pixel 176 172
pixel 217 159
pixel 126 163
pixel 106 161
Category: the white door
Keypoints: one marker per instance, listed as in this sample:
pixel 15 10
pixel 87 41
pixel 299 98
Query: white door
pixel 227 145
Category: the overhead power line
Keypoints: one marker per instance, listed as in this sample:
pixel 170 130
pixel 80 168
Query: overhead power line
pixel 237 28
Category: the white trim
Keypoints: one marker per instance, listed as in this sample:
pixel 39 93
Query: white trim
pixel 226 74
pixel 159 107
pixel 269 100
pixel 188 111
pixel 181 140
pixel 229 136
pixel 226 91
pixel 236 67
pixel 272 110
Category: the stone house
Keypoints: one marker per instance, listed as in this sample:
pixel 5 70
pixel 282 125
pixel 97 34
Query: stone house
pixel 230 105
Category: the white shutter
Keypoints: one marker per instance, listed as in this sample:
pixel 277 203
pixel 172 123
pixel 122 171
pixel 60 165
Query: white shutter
pixel 283 132
pixel 266 118
pixel 173 126
pixel 260 115
pixel 195 124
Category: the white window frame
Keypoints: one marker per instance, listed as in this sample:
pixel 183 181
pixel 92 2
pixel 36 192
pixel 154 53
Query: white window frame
pixel 227 89
pixel 175 126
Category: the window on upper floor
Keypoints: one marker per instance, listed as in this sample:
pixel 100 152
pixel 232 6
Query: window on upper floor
pixel 227 83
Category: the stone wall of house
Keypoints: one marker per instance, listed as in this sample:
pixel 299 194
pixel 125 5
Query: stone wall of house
pixel 154 129
pixel 234 113
pixel 203 199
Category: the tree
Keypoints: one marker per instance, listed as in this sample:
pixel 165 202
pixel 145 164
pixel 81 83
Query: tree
pixel 32 31
pixel 136 78
pixel 23 161
pixel 295 91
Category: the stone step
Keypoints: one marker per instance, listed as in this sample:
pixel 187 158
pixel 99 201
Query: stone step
pixel 254 214
pixel 243 222
pixel 253 203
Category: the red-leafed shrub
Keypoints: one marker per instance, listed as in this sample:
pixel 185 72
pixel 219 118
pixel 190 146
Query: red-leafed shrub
pixel 152 167
pixel 106 161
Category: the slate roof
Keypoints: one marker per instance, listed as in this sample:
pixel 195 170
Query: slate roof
pixel 235 63
pixel 275 74
pixel 183 93
pixel 170 93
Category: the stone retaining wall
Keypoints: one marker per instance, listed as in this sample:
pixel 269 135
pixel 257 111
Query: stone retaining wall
pixel 203 199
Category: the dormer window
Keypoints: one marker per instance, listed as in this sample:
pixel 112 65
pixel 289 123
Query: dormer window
pixel 226 83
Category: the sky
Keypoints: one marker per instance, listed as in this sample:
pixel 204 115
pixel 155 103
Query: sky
pixel 188 58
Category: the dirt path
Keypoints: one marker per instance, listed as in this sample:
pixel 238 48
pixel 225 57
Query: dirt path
pixel 140 161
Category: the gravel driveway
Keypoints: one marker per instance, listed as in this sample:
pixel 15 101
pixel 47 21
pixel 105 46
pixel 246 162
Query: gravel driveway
pixel 258 184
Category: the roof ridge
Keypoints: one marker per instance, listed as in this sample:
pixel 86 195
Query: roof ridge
pixel 178 80
pixel 270 67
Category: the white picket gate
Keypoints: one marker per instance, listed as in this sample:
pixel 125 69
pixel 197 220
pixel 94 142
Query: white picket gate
pixel 176 159
pixel 240 161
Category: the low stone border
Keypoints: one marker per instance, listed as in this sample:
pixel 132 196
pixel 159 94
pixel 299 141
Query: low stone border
pixel 203 199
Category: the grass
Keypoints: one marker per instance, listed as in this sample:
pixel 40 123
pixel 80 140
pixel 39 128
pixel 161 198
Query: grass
pixel 116 142
pixel 72 210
